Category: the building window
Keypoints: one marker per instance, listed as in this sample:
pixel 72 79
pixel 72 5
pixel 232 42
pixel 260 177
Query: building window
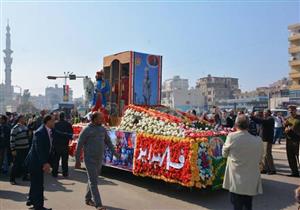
pixel 209 93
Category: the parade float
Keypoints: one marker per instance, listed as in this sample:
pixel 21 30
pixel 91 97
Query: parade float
pixel 153 140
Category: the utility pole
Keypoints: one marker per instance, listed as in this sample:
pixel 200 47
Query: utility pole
pixel 66 76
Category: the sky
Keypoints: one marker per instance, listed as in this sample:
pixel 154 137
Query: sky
pixel 243 39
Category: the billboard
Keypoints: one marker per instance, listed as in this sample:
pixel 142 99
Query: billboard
pixel 146 79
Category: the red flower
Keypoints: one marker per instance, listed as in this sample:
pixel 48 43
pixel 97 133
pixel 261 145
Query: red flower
pixel 159 145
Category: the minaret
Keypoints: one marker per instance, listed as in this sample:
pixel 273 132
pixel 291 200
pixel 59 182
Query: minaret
pixel 8 61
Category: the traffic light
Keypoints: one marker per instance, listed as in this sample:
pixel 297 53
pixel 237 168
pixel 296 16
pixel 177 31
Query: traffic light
pixel 72 76
pixel 66 91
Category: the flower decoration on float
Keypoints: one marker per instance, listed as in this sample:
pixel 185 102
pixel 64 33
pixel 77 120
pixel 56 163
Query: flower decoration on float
pixel 168 158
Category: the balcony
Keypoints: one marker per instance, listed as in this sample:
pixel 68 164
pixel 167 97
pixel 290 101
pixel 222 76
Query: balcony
pixel 294 87
pixel 294 74
pixel 294 37
pixel 295 63
pixel 294 49
pixel 294 27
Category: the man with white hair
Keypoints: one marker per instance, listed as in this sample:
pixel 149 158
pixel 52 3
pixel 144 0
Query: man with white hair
pixel 244 152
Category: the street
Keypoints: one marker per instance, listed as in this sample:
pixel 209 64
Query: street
pixel 122 190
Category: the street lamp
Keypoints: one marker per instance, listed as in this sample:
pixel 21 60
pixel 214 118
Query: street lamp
pixel 51 77
pixel 67 75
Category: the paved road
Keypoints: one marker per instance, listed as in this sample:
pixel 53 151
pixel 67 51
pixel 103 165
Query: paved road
pixel 121 190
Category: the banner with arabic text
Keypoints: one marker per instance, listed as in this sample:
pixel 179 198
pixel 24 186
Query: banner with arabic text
pixel 168 158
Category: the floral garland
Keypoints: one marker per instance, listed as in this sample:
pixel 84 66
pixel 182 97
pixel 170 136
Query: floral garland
pixel 190 117
pixel 171 159
pixel 145 120
pixel 190 163
pixel 198 166
pixel 196 133
pixel 144 123
pixel 77 128
pixel 204 163
pixel 156 114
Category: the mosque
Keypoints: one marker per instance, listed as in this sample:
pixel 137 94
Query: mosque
pixel 6 89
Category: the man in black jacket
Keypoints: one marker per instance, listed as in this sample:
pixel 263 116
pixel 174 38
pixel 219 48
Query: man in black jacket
pixel 252 126
pixel 267 134
pixel 4 141
pixel 63 132
pixel 230 119
pixel 37 162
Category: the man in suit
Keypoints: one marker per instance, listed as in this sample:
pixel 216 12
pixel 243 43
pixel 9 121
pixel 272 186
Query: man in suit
pixel 230 119
pixel 38 162
pixel 266 132
pixel 63 132
pixel 242 175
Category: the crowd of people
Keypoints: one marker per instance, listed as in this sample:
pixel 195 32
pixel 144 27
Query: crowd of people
pixel 32 145
pixel 249 154
pixel 17 137
pixel 271 127
pixel 25 153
